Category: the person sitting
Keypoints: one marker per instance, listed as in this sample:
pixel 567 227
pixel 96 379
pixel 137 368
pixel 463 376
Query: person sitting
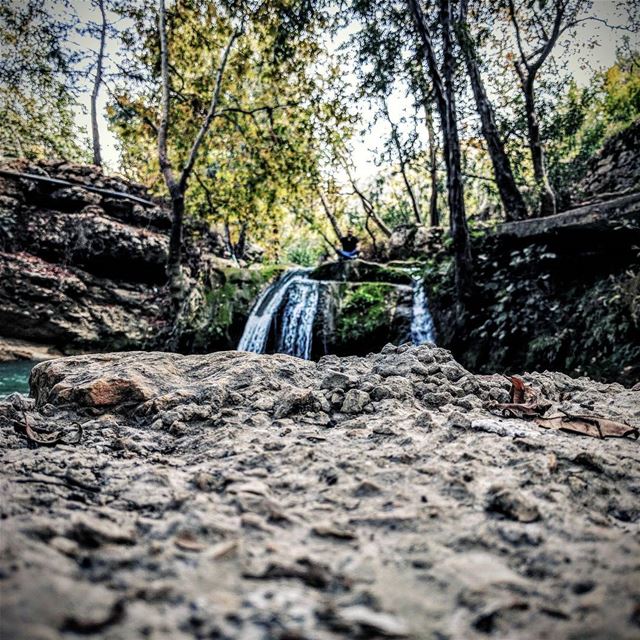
pixel 349 244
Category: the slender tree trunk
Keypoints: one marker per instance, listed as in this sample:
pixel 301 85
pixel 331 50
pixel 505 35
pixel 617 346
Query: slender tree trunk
pixel 445 101
pixel 415 204
pixel 175 239
pixel 241 245
pixel 512 201
pixel 434 213
pixel 177 187
pixel 228 240
pixel 367 206
pixel 371 235
pixel 97 82
pixel 330 215
pixel 176 193
pixel 459 229
pixel 371 213
pixel 547 196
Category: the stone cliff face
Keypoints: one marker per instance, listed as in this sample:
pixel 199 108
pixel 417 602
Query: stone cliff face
pixel 79 271
pixel 240 496
pixel 82 271
pixel 614 169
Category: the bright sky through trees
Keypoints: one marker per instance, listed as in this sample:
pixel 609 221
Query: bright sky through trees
pixel 582 62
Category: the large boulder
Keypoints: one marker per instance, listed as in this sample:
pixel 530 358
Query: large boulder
pixel 88 239
pixel 82 270
pixel 71 310
pixel 360 271
pixel 234 495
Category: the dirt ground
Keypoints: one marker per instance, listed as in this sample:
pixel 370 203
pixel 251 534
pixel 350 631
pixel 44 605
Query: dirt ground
pixel 231 495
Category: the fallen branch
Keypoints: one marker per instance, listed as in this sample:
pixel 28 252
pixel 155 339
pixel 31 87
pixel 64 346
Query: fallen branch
pixel 67 183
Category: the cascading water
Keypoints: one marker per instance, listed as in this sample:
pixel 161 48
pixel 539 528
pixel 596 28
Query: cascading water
pixel 293 301
pixel 297 318
pixel 299 294
pixel 422 329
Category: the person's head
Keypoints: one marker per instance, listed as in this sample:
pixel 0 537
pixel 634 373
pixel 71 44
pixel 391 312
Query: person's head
pixel 350 231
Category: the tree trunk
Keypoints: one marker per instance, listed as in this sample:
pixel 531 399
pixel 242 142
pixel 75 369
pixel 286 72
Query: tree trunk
pixel 415 205
pixel 434 213
pixel 368 207
pixel 97 82
pixel 330 215
pixel 175 240
pixel 512 201
pixel 459 229
pixel 546 194
pixel 176 192
pixel 445 101
pixel 241 245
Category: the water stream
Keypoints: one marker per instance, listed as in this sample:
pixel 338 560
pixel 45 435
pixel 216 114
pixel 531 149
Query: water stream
pixel 299 296
pixel 292 301
pixel 298 315
pixel 14 376
pixel 422 329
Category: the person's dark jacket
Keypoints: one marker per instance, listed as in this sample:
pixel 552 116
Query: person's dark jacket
pixel 349 243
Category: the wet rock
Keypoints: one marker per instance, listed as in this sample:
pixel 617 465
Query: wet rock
pixel 511 504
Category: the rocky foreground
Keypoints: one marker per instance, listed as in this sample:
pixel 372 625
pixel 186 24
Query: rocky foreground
pixel 241 496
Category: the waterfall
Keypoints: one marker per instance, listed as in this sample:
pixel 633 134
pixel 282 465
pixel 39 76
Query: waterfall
pixel 299 296
pixel 297 318
pixel 422 329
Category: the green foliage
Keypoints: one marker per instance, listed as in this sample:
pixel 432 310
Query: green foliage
pixel 365 312
pixel 37 104
pixel 533 314
pixel 586 117
pixel 260 159
pixel 222 302
pixel 304 252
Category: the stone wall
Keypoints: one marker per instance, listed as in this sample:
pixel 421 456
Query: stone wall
pixel 83 271
pixel 614 169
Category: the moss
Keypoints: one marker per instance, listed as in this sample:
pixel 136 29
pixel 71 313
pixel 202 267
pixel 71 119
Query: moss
pixel 227 296
pixel 360 271
pixel 365 315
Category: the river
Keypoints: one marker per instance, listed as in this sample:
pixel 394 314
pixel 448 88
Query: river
pixel 14 376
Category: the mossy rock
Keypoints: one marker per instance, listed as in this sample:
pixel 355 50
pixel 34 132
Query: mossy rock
pixel 360 271
pixel 226 296
pixel 370 315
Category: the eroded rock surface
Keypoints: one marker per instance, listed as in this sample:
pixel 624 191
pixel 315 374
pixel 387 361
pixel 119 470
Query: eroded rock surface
pixel 241 496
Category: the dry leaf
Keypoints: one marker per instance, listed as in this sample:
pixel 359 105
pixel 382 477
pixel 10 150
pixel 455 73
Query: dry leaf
pixel 43 438
pixel 593 426
pixel 188 542
pixel 525 404
pixel 517 390
pixel 524 401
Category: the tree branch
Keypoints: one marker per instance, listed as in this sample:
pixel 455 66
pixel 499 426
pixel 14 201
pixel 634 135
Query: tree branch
pixel 163 126
pixel 188 167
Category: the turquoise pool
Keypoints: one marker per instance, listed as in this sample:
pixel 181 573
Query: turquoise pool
pixel 14 376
